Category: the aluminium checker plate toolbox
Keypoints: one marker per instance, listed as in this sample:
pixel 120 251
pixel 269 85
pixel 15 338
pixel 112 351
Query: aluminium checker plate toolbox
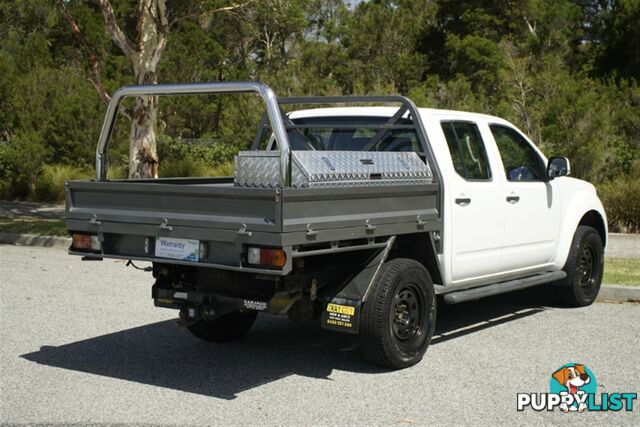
pixel 314 169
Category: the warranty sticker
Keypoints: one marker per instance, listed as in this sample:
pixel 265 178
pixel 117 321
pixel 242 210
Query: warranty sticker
pixel 342 315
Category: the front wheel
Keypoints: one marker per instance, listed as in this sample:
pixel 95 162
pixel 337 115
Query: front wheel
pixel 584 268
pixel 229 327
pixel 398 318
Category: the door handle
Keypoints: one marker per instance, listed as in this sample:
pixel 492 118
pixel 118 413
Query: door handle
pixel 513 199
pixel 463 201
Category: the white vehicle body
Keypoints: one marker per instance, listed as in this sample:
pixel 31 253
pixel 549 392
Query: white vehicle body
pixel 490 239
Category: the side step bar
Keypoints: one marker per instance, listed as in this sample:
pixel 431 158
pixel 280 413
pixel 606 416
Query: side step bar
pixel 503 287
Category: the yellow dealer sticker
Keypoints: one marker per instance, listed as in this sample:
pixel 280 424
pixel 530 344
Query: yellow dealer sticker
pixel 342 315
pixel 341 309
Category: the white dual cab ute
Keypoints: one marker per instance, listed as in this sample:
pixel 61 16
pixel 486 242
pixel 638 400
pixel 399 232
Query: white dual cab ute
pixel 363 217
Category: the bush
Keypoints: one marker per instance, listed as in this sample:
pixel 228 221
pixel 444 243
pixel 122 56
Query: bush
pixel 212 152
pixel 621 200
pixel 115 171
pixel 50 183
pixel 7 189
pixel 189 167
pixel 181 168
pixel 225 169
pixel 21 161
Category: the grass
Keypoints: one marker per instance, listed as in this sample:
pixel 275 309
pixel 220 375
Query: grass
pixel 50 184
pixel 193 168
pixel 621 271
pixel 38 226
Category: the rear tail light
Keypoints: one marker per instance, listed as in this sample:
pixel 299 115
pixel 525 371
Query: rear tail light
pixel 266 256
pixel 85 242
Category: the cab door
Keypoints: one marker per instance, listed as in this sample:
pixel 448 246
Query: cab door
pixel 532 203
pixel 476 212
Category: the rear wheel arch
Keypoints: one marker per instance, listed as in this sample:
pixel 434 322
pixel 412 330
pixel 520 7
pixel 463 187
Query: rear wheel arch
pixel 419 247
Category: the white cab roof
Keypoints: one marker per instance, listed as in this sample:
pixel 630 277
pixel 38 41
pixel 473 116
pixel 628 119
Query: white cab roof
pixel 425 113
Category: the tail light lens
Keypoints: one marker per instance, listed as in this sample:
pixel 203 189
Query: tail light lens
pixel 275 257
pixel 85 242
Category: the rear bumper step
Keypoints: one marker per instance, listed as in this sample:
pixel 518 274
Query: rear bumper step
pixel 503 287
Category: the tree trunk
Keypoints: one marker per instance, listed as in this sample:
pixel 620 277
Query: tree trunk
pixel 143 156
pixel 153 30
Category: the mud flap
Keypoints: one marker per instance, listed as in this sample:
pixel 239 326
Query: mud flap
pixel 342 315
pixel 342 312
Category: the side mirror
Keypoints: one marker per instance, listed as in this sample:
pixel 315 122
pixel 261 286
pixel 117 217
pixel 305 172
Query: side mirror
pixel 558 166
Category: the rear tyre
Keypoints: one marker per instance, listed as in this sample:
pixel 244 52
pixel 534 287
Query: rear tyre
pixel 229 327
pixel 584 268
pixel 399 316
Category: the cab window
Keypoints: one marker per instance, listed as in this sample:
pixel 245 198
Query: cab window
pixel 520 159
pixel 357 133
pixel 467 150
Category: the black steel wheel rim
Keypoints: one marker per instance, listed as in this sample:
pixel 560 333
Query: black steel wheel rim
pixel 407 313
pixel 586 267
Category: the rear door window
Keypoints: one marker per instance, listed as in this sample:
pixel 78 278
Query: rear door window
pixel 467 150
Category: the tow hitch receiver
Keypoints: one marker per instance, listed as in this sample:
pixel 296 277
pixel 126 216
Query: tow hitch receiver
pixel 190 315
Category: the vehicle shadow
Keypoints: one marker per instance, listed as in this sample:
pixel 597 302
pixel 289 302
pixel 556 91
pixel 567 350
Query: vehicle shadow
pixel 461 319
pixel 163 355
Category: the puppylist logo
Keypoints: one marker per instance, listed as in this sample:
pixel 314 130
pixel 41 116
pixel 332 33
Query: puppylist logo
pixel 573 388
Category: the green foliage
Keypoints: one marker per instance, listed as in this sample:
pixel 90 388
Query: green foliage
pixel 453 94
pixel 621 201
pixel 194 168
pixel 183 168
pixel 566 72
pixel 577 121
pixel 379 40
pixel 620 39
pixel 209 151
pixel 477 57
pixel 192 158
pixel 20 164
pixel 50 183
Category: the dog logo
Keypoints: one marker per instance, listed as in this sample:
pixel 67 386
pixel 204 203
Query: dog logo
pixel 573 378
pixel 573 388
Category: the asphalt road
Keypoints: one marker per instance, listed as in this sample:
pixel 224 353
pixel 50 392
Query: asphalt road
pixel 80 342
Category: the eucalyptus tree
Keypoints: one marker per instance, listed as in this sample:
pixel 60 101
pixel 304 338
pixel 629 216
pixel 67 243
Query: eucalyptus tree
pixel 143 48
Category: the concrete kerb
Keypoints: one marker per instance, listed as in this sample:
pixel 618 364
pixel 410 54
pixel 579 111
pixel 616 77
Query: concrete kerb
pixel 35 240
pixel 619 293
